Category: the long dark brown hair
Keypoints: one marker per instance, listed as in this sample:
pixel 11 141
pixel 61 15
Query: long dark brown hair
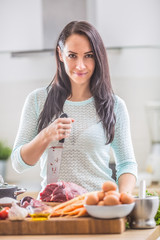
pixel 100 85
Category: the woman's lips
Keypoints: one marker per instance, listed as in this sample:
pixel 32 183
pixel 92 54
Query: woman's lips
pixel 80 73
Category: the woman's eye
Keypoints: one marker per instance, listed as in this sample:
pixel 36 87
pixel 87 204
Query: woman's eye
pixel 72 56
pixel 89 56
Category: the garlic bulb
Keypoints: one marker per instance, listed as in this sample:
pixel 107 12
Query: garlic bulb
pixel 8 200
pixel 16 212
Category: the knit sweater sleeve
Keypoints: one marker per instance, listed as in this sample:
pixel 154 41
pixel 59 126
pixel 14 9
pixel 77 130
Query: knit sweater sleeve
pixel 26 132
pixel 122 143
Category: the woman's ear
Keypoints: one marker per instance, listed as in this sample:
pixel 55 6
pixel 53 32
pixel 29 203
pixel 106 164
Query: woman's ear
pixel 60 54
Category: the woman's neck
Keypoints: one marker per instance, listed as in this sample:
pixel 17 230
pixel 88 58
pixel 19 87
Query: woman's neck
pixel 78 97
pixel 80 94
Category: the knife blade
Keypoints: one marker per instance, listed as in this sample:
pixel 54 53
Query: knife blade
pixel 54 159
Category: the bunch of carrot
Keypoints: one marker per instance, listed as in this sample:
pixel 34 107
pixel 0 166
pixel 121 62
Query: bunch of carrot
pixel 74 207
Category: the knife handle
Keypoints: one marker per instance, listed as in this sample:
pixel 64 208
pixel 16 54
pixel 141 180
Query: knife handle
pixel 63 115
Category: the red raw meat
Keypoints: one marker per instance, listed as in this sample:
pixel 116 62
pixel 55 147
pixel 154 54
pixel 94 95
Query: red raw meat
pixel 61 192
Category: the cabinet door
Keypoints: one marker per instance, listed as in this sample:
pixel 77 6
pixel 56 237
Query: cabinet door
pixel 28 25
pixel 20 25
pixel 128 22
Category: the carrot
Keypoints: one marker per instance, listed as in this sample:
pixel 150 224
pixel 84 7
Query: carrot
pixel 73 207
pixel 76 213
pixel 82 212
pixel 56 214
pixel 67 209
pixel 74 200
pixel 73 212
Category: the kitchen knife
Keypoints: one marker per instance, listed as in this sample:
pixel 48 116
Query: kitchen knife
pixel 54 159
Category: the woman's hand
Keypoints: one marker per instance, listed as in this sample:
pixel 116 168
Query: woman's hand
pixel 59 129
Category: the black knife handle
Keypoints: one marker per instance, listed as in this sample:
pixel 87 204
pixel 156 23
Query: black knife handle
pixel 63 115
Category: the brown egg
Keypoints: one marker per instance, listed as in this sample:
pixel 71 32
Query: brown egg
pixel 101 195
pixel 100 203
pixel 126 198
pixel 113 193
pixel 108 186
pixel 91 199
pixel 111 200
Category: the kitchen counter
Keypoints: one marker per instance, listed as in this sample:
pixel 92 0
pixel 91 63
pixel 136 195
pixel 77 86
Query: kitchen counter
pixel 147 234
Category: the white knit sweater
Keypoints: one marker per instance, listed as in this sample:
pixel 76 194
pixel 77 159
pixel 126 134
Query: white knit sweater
pixel 85 157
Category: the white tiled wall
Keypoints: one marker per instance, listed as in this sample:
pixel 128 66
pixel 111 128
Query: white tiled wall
pixel 135 75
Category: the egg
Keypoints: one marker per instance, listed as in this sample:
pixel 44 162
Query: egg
pixel 91 199
pixel 111 200
pixel 100 203
pixel 113 193
pixel 101 195
pixel 108 186
pixel 126 198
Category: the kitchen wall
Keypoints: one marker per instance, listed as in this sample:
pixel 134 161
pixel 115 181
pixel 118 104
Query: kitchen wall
pixel 135 75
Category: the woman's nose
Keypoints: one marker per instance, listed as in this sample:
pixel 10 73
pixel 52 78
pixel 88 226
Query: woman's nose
pixel 80 64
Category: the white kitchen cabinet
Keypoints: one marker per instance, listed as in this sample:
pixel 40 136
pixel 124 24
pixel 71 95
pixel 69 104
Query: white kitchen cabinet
pixel 30 25
pixel 128 23
pixel 20 25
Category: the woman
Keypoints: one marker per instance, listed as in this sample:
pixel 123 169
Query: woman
pixel 97 120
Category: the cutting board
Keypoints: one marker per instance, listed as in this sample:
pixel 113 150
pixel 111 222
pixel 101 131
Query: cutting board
pixel 62 225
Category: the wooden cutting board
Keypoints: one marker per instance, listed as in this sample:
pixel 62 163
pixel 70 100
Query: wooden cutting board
pixel 62 225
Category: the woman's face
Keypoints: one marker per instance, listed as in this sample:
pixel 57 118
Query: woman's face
pixel 78 59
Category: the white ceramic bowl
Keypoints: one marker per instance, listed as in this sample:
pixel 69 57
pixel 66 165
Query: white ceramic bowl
pixel 106 212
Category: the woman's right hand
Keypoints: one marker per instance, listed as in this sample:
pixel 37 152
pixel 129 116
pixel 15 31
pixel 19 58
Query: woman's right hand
pixel 59 129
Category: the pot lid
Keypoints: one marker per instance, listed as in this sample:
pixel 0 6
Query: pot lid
pixel 6 186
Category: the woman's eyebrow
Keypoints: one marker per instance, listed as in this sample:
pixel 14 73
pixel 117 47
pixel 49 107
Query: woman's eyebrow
pixel 72 52
pixel 77 53
pixel 88 52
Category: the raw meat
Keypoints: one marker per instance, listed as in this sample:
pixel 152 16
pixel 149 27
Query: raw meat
pixel 61 192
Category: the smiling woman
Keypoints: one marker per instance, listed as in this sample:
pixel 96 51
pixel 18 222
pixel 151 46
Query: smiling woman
pixel 98 119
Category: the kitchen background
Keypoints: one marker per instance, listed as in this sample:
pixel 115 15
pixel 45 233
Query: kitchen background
pixel 28 31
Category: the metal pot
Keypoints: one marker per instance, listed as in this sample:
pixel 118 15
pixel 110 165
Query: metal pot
pixel 11 191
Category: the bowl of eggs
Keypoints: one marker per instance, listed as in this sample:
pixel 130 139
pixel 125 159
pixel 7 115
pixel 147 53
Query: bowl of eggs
pixel 109 203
